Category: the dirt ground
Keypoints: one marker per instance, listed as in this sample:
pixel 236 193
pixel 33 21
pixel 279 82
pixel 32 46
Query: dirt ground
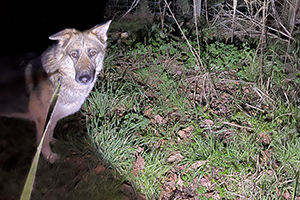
pixel 78 174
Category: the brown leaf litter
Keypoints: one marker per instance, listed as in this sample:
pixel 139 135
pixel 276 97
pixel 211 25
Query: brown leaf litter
pixel 159 120
pixel 173 188
pixel 198 164
pixel 185 133
pixel 175 157
pixel 139 163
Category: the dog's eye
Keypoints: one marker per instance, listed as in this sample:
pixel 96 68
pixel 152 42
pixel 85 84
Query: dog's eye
pixel 92 53
pixel 74 55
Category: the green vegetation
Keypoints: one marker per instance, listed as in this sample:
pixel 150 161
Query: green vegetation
pixel 172 133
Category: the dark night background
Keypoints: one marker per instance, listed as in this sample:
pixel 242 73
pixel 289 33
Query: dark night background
pixel 25 25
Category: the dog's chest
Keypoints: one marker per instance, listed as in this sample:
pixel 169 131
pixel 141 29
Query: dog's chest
pixel 71 97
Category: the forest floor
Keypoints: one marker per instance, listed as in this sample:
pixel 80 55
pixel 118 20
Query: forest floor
pixel 225 127
pixel 158 125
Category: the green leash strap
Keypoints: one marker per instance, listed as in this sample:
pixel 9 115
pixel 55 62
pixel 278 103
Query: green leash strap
pixel 26 193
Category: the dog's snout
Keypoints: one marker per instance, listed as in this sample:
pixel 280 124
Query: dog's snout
pixel 84 78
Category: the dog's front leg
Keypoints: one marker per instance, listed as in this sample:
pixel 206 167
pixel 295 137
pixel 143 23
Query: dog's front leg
pixel 46 149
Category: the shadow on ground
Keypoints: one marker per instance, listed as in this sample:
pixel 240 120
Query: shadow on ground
pixel 78 175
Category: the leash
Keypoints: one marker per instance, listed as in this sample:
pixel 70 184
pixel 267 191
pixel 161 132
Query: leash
pixel 26 193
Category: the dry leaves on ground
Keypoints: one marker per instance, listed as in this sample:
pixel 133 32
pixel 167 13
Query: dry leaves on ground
pixel 175 157
pixel 198 164
pixel 185 133
pixel 139 163
pixel 173 188
pixel 159 120
pixel 99 169
pixel 265 138
pixel 209 122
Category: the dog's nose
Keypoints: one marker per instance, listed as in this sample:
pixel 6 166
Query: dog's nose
pixel 84 79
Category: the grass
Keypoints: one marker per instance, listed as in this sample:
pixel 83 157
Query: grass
pixel 148 118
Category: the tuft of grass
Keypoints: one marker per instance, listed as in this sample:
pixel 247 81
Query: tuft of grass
pixel 148 105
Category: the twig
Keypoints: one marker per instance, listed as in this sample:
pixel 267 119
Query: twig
pixel 192 49
pixel 255 108
pixel 287 99
pixel 234 81
pixel 253 21
pixel 236 125
pixel 260 93
pixel 133 5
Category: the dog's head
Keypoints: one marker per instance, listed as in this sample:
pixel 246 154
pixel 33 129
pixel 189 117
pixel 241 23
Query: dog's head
pixel 82 52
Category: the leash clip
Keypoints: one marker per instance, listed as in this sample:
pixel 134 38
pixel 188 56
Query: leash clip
pixel 60 79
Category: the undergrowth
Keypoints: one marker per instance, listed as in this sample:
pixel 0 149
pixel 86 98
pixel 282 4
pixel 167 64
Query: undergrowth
pixel 148 118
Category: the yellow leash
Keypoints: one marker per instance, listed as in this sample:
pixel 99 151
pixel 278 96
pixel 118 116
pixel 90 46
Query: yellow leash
pixel 26 193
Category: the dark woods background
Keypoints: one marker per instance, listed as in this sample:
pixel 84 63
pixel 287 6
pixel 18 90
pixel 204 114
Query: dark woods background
pixel 25 25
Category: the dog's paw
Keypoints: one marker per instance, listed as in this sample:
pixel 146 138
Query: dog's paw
pixel 53 157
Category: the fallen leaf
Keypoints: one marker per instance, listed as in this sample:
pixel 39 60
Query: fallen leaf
pixel 270 172
pixel 159 143
pixel 180 183
pixel 175 157
pixel 139 163
pixel 180 167
pixel 139 150
pixel 264 138
pixel 287 195
pixel 150 94
pixel 209 122
pixel 169 186
pixel 159 120
pixel 99 169
pixel 165 195
pixel 278 191
pixel 171 177
pixel 185 133
pixel 266 156
pixel 208 194
pixel 127 189
pixel 124 35
pixel 205 182
pixel 148 111
pixel 224 96
pixel 198 164
pixel 246 90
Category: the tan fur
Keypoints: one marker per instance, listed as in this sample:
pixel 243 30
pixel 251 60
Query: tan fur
pixel 77 58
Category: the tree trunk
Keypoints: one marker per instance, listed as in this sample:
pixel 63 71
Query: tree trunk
pixel 197 7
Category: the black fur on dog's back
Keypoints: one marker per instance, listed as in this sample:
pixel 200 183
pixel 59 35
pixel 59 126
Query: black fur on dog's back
pixel 12 82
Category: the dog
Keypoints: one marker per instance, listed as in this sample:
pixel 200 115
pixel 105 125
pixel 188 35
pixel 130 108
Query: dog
pixel 27 88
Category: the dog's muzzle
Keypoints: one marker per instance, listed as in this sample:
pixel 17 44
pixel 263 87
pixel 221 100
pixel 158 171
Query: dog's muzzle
pixel 84 78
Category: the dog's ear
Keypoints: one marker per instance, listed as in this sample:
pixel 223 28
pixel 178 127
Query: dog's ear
pixel 63 35
pixel 101 30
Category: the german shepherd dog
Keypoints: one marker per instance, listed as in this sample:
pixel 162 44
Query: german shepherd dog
pixel 26 89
